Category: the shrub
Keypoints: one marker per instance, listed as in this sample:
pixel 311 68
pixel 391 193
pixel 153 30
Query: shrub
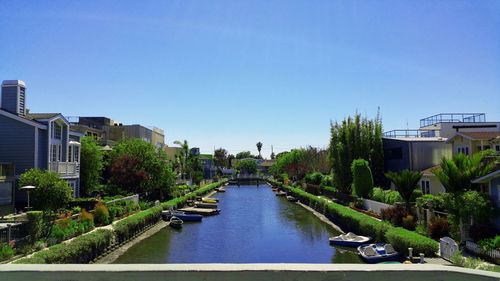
pixel 314 178
pixel 392 196
pixel 34 226
pixel 87 219
pixel 394 214
pixel 57 234
pixel 378 194
pixel 326 181
pixel 416 193
pixel 438 228
pixel 101 214
pixel 6 251
pixel 402 239
pixel 362 178
pixel 126 227
pixel 409 222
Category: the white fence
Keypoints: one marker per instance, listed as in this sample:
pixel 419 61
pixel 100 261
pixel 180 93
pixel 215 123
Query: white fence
pixel 473 247
pixel 375 205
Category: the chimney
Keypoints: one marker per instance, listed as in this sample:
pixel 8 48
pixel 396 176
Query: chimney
pixel 14 97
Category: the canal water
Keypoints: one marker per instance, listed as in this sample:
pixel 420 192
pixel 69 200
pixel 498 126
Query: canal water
pixel 254 226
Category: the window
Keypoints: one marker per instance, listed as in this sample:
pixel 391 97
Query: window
pixel 425 185
pixel 70 150
pixel 59 152
pixel 6 193
pixel 497 147
pixel 464 150
pixel 77 153
pixel 58 131
pixel 53 153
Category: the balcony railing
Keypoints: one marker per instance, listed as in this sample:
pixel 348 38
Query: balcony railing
pixel 453 118
pixel 65 168
pixel 6 170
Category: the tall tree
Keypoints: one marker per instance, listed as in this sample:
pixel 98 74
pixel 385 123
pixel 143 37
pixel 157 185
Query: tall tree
pixel 220 157
pixel 406 182
pixel 259 147
pixel 91 165
pixel 182 156
pixel 362 176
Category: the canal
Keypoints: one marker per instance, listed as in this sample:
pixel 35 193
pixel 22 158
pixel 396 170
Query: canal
pixel 254 226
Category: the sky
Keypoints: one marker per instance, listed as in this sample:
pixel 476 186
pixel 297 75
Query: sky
pixel 232 73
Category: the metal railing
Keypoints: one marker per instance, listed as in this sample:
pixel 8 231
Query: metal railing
pixel 65 168
pixel 452 118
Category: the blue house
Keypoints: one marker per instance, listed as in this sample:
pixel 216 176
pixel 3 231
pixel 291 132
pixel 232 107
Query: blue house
pixel 36 140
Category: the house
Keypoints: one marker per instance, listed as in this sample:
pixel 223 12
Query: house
pixel 470 143
pixel 430 183
pixel 36 140
pixel 492 182
pixel 207 162
pixel 7 184
pixel 265 165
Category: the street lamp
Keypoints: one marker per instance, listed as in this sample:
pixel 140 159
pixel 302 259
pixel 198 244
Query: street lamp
pixel 28 188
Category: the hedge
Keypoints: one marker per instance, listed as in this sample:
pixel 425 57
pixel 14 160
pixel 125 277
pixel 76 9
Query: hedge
pixel 360 223
pixel 181 201
pixel 127 227
pixel 82 249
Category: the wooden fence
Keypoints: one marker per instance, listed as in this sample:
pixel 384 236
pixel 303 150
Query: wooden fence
pixel 474 248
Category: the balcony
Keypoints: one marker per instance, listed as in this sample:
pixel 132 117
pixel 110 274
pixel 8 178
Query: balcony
pixel 453 118
pixel 65 169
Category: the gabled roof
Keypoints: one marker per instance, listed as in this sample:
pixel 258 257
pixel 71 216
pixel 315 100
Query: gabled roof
pixel 427 172
pixel 476 135
pixel 22 119
pixel 45 116
pixel 487 177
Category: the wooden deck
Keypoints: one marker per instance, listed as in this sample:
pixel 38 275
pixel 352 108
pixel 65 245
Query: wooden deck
pixel 200 211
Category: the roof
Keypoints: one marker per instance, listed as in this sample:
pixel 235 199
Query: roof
pixel 22 119
pixel 35 116
pixel 267 163
pixel 13 82
pixel 428 171
pixel 477 135
pixel 488 177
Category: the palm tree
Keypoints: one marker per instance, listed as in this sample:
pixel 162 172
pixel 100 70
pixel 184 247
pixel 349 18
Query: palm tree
pixel 259 147
pixel 406 182
pixel 182 157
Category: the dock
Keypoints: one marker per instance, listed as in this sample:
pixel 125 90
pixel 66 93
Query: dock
pixel 200 211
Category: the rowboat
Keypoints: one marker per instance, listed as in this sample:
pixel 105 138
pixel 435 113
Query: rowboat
pixel 350 239
pixel 209 200
pixel 176 222
pixel 291 198
pixel 205 205
pixel 380 252
pixel 280 193
pixel 166 215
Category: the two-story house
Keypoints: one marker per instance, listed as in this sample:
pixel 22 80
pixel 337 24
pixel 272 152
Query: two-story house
pixel 41 140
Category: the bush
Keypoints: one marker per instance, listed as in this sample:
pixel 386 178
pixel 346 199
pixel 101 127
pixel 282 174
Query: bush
pixel 416 193
pixel 6 251
pixel 34 226
pixel 125 228
pixel 439 228
pixel 402 239
pixel 409 222
pixel 362 178
pixel 314 178
pixel 82 249
pixel 87 219
pixel 378 194
pixel 181 201
pixel 394 214
pixel 101 214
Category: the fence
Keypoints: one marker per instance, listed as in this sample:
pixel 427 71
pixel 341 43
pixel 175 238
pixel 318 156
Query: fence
pixel 474 248
pixel 447 248
pixel 12 232
pixel 375 205
pixel 134 198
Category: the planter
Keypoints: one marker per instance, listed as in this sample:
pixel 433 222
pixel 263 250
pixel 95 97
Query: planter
pixel 367 213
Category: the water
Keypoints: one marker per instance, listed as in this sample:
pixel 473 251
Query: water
pixel 254 226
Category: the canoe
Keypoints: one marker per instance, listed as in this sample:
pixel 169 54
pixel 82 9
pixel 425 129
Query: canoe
pixel 380 252
pixel 166 215
pixel 291 198
pixel 175 222
pixel 205 205
pixel 350 240
pixel 209 200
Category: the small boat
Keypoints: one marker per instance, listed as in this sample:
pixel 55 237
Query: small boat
pixel 350 239
pixel 280 193
pixel 209 200
pixel 380 252
pixel 205 205
pixel 176 222
pixel 275 189
pixel 220 189
pixel 291 198
pixel 166 215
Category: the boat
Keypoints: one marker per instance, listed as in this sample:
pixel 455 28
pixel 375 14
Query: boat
pixel 275 189
pixel 209 200
pixel 205 205
pixel 220 189
pixel 380 252
pixel 280 193
pixel 166 215
pixel 291 198
pixel 350 239
pixel 176 222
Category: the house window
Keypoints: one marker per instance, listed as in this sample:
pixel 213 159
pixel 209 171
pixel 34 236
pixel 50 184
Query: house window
pixel 59 152
pixel 53 154
pixel 464 150
pixel 71 184
pixel 77 154
pixel 56 131
pixel 497 147
pixel 425 185
pixel 70 150
pixel 6 191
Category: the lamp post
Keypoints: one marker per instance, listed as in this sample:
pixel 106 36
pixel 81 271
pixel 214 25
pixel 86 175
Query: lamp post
pixel 28 188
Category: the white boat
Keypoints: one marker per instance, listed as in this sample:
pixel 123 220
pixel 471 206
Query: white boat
pixel 350 239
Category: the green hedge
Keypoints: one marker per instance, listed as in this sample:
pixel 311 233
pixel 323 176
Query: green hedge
pixel 181 201
pixel 125 228
pixel 79 250
pixel 351 220
pixel 402 239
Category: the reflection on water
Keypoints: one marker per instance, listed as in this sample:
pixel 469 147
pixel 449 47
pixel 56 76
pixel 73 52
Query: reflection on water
pixel 254 226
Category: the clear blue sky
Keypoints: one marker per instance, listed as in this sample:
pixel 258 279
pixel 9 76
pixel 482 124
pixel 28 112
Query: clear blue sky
pixel 232 73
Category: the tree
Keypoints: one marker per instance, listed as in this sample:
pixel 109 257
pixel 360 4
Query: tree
pixel 406 182
pixel 230 159
pixel 220 157
pixel 273 156
pixel 126 173
pixel 248 166
pixel 244 154
pixel 91 165
pixel 182 156
pixel 51 193
pixel 259 147
pixel 362 175
pixel 356 138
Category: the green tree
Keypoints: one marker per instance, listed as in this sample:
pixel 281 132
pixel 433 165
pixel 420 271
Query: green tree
pixel 356 138
pixel 259 147
pixel 273 156
pixel 91 165
pixel 51 193
pixel 406 182
pixel 248 166
pixel 182 156
pixel 244 154
pixel 362 175
pixel 220 157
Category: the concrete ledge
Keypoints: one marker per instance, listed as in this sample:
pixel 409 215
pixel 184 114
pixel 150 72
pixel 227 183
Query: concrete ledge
pixel 242 272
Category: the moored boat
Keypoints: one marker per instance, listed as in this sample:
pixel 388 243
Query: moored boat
pixel 205 205
pixel 280 193
pixel 166 215
pixel 176 222
pixel 375 253
pixel 209 200
pixel 220 189
pixel 275 189
pixel 350 239
pixel 291 198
